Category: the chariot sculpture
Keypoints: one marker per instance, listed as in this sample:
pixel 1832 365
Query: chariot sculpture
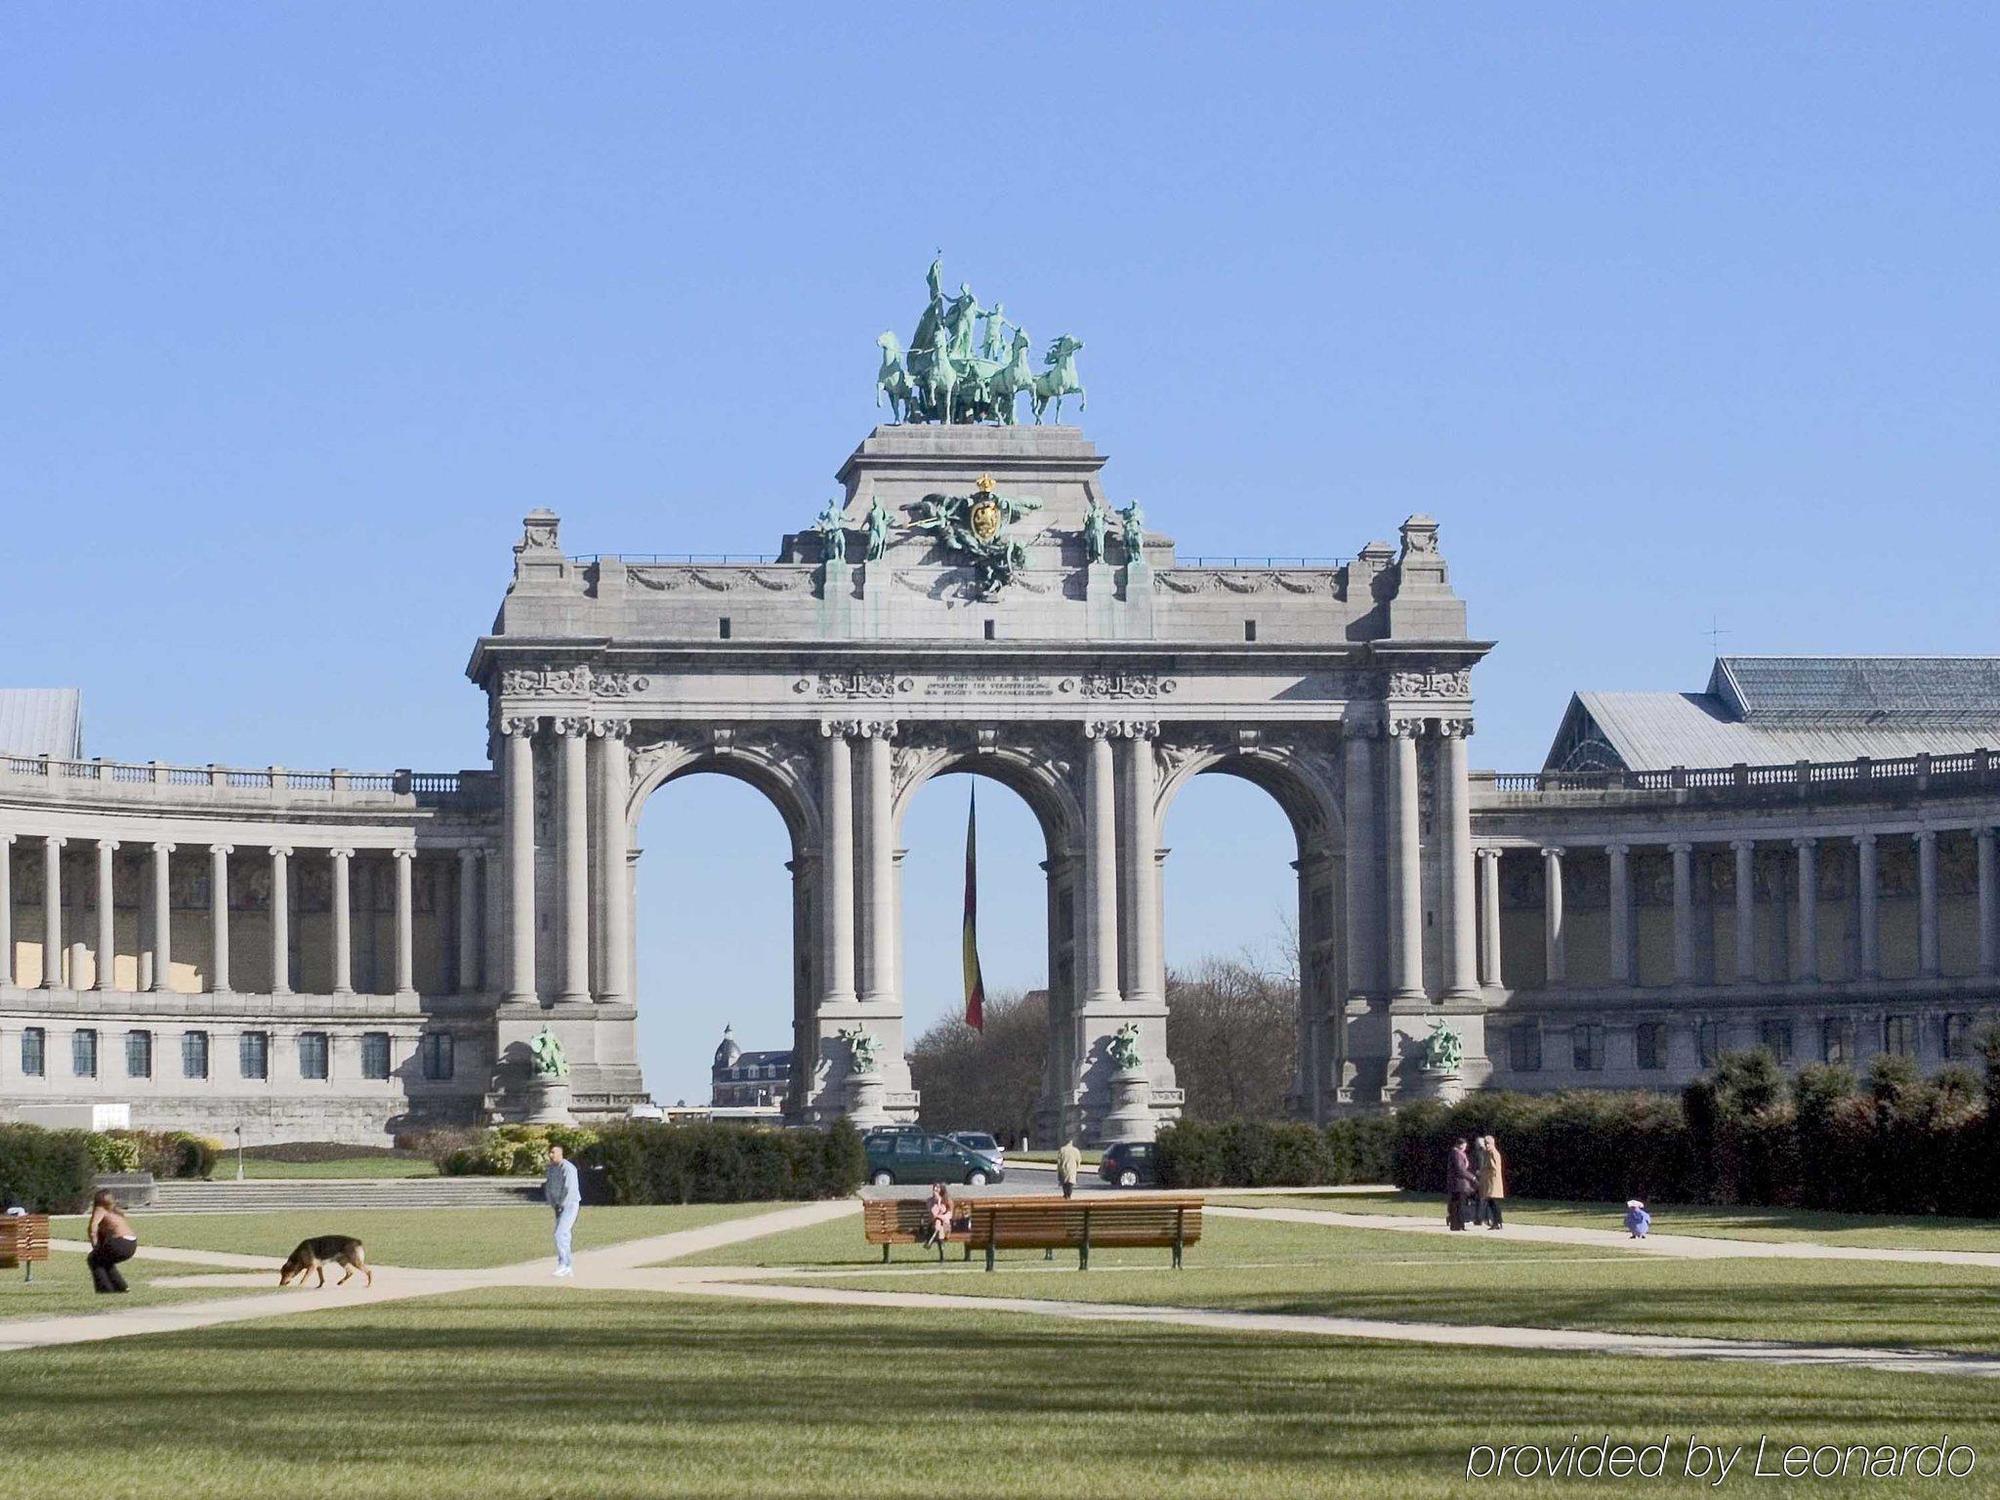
pixel 944 379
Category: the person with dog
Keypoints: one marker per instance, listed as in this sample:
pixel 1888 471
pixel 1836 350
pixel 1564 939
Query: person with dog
pixel 565 1195
pixel 112 1243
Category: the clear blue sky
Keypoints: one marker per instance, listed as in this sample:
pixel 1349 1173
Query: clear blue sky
pixel 1666 313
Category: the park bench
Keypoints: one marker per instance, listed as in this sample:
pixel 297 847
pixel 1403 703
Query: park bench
pixel 24 1239
pixel 1158 1221
pixel 907 1221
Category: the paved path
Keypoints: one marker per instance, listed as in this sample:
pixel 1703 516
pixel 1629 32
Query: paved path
pixel 594 1267
pixel 1690 1246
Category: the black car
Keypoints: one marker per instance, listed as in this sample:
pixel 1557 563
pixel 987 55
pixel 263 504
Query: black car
pixel 1130 1164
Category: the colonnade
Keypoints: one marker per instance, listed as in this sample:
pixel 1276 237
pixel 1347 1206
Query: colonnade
pixel 1862 847
pixel 155 950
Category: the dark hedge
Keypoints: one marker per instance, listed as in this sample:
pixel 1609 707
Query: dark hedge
pixel 45 1171
pixel 650 1162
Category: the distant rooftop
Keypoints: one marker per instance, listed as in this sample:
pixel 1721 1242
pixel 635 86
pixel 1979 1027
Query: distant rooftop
pixel 1771 710
pixel 42 721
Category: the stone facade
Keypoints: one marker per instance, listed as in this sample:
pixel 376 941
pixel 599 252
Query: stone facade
pixel 351 955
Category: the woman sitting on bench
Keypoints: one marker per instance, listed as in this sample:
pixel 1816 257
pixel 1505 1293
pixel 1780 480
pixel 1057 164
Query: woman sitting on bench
pixel 111 1242
pixel 941 1212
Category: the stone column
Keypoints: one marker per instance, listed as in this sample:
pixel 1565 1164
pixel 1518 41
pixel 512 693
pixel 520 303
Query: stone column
pixel 1554 939
pixel 614 905
pixel 1619 857
pixel 1461 947
pixel 519 757
pixel 406 925
pixel 1927 904
pixel 281 920
pixel 494 940
pixel 836 768
pixel 1867 889
pixel 1100 869
pixel 468 921
pixel 107 922
pixel 572 739
pixel 52 923
pixel 1489 918
pixel 1405 862
pixel 218 917
pixel 163 919
pixel 343 924
pixel 1808 959
pixel 1683 855
pixel 878 863
pixel 6 908
pixel 1142 864
pixel 1364 921
pixel 1989 919
pixel 1746 909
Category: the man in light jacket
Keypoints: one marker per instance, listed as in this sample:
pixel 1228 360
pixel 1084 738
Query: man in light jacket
pixel 565 1196
pixel 1068 1161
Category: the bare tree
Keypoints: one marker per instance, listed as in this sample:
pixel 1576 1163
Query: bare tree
pixel 987 1080
pixel 1232 1032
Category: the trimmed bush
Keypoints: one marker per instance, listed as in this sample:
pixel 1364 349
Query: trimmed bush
pixel 1244 1153
pixel 112 1153
pixel 516 1150
pixel 1363 1148
pixel 646 1161
pixel 171 1153
pixel 1589 1145
pixel 45 1171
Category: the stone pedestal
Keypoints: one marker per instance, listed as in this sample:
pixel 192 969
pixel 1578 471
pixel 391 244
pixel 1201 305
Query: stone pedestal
pixel 1131 1117
pixel 1445 1086
pixel 546 1102
pixel 867 1104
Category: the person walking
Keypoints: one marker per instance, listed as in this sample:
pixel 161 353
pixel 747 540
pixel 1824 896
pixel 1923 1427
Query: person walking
pixel 565 1195
pixel 1492 1177
pixel 1458 1184
pixel 112 1243
pixel 1069 1161
pixel 1478 1177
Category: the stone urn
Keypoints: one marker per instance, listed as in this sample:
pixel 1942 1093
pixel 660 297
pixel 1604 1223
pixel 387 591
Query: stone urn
pixel 1131 1116
pixel 546 1098
pixel 865 1095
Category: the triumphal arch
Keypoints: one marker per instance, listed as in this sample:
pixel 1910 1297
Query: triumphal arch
pixel 978 599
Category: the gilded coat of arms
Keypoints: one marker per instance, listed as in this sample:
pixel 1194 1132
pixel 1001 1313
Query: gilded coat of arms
pixel 972 529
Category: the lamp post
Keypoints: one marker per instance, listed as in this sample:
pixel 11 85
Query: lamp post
pixel 239 1153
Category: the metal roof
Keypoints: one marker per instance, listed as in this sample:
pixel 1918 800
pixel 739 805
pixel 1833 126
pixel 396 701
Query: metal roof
pixel 42 721
pixel 1848 687
pixel 1657 731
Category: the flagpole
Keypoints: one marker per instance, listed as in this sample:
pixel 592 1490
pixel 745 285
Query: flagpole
pixel 975 984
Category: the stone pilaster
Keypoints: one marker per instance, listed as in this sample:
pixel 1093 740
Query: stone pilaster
pixel 1808 957
pixel 1555 937
pixel 6 908
pixel 1927 904
pixel 1100 869
pixel 1364 842
pixel 343 921
pixel 614 904
pixel 52 914
pixel 572 741
pixel 1989 918
pixel 406 926
pixel 163 918
pixel 1745 851
pixel 1683 857
pixel 467 892
pixel 1461 947
pixel 281 920
pixel 836 869
pixel 107 922
pixel 218 917
pixel 1405 864
pixel 1619 857
pixel 518 754
pixel 878 864
pixel 1489 918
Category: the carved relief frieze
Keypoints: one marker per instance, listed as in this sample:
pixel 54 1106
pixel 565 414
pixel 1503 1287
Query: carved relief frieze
pixel 1129 685
pixel 576 681
pixel 1431 682
pixel 858 683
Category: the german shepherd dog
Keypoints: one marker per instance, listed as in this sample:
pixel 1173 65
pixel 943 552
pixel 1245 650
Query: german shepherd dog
pixel 315 1254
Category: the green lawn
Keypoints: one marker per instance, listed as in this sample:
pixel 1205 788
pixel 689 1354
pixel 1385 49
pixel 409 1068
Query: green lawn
pixel 62 1286
pixel 427 1238
pixel 1276 1267
pixel 564 1395
pixel 1864 1231
pixel 258 1169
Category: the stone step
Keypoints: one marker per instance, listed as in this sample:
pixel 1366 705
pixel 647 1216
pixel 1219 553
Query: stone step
pixel 278 1194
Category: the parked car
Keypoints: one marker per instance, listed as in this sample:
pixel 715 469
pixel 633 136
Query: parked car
pixel 911 1154
pixel 1130 1164
pixel 982 1142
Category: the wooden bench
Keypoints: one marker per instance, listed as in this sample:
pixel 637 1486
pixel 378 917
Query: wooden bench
pixel 1159 1221
pixel 24 1239
pixel 907 1221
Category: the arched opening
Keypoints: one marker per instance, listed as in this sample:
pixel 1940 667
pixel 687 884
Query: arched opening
pixel 1251 886
pixel 713 906
pixel 1013 1079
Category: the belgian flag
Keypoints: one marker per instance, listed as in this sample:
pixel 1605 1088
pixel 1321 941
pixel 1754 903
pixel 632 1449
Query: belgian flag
pixel 975 986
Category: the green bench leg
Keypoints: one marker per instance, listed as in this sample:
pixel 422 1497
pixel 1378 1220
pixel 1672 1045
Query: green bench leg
pixel 885 1252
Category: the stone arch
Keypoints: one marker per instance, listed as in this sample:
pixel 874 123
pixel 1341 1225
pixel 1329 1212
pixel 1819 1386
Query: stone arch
pixel 1306 782
pixel 1036 772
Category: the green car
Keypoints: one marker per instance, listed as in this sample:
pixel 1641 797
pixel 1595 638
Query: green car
pixel 910 1154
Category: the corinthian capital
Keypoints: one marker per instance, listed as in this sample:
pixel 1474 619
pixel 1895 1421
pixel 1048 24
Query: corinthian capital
pixel 1455 729
pixel 522 728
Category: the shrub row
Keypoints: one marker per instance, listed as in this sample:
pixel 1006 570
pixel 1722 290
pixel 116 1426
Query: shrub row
pixel 515 1150
pixel 649 1162
pixel 1264 1153
pixel 1597 1146
pixel 45 1171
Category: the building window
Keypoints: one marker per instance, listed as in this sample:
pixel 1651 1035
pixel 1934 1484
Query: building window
pixel 1707 1042
pixel 1958 1035
pixel 253 1052
pixel 374 1054
pixel 1899 1035
pixel 1586 1047
pixel 1775 1037
pixel 1524 1047
pixel 138 1054
pixel 1836 1041
pixel 437 1055
pixel 34 1052
pixel 83 1053
pixel 1651 1040
pixel 194 1054
pixel 312 1054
